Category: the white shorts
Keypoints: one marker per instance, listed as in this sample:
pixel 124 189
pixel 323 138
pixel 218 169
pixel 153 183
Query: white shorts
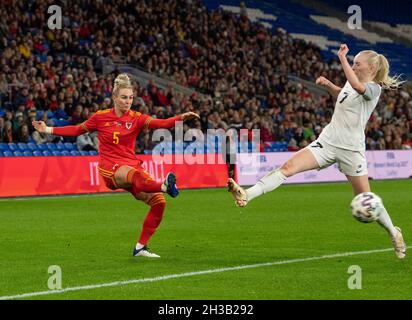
pixel 351 163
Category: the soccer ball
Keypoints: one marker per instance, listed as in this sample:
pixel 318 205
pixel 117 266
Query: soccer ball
pixel 366 207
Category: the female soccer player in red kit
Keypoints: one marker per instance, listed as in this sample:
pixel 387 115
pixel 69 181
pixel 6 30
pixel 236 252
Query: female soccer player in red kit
pixel 117 130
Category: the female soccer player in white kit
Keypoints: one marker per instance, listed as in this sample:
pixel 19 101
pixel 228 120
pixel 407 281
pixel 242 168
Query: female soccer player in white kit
pixel 342 141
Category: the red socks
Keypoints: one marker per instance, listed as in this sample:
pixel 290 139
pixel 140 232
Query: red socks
pixel 143 182
pixel 157 206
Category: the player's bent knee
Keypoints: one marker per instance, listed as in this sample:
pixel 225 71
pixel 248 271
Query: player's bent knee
pixel 122 175
pixel 287 168
pixel 157 199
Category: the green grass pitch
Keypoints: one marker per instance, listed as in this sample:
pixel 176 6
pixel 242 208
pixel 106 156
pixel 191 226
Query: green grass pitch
pixel 91 239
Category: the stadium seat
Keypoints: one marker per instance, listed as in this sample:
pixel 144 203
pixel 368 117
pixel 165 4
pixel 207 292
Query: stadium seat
pixel 69 146
pixel 18 153
pixel 37 153
pixel 4 147
pixel 47 153
pixel 60 146
pixel 93 153
pixel 42 147
pixel 65 153
pixel 22 146
pixel 56 153
pixel 8 154
pixel 13 147
pixel 51 146
pixel 32 146
pixel 84 153
pixel 27 153
pixel 1 154
pixel 75 153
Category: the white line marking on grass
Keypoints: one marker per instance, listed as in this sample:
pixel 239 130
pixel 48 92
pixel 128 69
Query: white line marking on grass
pixel 189 274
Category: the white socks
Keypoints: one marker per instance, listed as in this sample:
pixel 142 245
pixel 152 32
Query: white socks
pixel 139 246
pixel 385 221
pixel 268 183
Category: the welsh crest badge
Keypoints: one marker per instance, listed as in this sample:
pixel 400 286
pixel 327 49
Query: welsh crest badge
pixel 128 125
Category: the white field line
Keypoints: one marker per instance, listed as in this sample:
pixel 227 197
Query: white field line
pixel 190 274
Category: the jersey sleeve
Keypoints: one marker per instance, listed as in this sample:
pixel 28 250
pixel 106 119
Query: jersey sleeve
pixel 68 131
pixel 164 123
pixel 144 121
pixel 372 91
pixel 91 123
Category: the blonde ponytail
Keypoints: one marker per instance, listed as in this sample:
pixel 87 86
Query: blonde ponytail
pixel 382 71
pixel 122 81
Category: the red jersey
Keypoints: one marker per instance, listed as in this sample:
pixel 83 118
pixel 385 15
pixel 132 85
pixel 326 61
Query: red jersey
pixel 117 135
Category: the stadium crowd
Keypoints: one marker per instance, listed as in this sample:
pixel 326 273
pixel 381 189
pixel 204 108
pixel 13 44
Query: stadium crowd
pixel 57 75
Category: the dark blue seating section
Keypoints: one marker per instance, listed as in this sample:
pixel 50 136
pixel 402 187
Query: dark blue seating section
pixel 295 18
pixel 40 150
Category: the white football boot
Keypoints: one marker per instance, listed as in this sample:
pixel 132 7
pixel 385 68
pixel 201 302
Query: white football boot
pixel 144 252
pixel 399 244
pixel 238 193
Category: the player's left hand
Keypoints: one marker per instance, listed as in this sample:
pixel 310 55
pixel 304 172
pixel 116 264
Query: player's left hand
pixel 343 50
pixel 190 116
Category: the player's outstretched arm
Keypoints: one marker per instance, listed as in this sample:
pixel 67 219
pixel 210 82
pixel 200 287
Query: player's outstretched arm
pixel 330 86
pixel 349 73
pixel 170 122
pixel 68 131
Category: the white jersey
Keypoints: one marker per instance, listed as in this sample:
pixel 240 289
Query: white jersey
pixel 352 111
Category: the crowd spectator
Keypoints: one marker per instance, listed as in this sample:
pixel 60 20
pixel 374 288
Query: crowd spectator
pixel 63 76
pixel 87 142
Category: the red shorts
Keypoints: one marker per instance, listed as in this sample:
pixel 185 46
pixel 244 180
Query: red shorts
pixel 108 169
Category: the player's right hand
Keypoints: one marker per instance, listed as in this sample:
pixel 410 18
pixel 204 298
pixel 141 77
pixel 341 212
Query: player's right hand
pixel 322 81
pixel 190 116
pixel 40 126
